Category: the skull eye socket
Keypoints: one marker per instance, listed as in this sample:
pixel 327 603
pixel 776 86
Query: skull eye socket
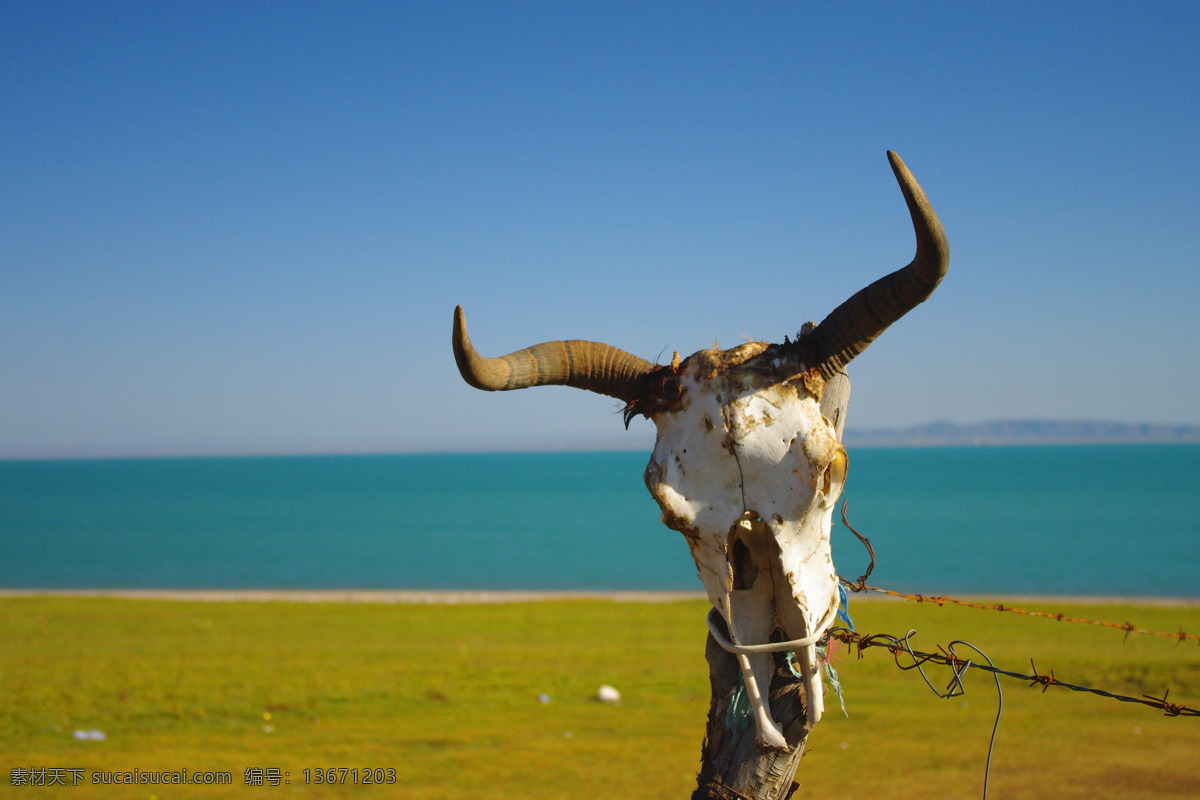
pixel 833 477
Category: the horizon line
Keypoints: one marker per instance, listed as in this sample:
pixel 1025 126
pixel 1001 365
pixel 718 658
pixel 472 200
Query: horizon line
pixel 110 453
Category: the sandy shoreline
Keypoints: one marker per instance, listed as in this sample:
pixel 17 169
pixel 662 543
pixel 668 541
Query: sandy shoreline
pixel 451 597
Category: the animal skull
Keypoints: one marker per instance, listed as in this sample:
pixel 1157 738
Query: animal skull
pixel 748 470
pixel 746 466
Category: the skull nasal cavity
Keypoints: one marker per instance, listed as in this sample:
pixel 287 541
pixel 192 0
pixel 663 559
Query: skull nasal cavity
pixel 745 570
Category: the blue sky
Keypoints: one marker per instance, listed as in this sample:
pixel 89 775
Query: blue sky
pixel 243 228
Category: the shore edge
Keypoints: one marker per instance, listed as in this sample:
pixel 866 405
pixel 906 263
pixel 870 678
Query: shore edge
pixel 476 597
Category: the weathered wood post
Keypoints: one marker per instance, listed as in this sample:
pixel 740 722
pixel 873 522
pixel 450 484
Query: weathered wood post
pixel 733 766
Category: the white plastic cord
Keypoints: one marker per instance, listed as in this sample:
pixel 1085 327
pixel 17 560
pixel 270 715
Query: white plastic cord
pixel 772 647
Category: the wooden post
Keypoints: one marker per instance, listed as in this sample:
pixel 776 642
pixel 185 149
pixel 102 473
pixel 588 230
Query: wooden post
pixel 733 766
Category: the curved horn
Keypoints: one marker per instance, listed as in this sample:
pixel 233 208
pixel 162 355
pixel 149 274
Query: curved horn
pixel 854 324
pixel 593 366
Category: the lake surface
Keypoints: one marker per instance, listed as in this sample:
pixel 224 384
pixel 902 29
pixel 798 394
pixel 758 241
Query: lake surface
pixel 1111 520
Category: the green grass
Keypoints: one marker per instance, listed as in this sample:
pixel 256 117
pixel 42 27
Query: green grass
pixel 447 697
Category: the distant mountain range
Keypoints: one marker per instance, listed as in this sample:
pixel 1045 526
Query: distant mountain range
pixel 935 434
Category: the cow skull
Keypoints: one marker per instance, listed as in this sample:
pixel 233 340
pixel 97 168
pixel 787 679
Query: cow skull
pixel 746 466
pixel 748 469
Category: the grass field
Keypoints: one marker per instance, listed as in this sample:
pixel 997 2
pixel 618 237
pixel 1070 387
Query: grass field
pixel 447 697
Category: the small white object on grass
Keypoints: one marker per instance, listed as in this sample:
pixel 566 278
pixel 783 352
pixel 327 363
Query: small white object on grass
pixel 543 698
pixel 607 694
pixel 90 736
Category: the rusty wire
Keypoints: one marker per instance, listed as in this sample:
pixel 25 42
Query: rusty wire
pixel 861 586
pixel 861 583
pixel 898 646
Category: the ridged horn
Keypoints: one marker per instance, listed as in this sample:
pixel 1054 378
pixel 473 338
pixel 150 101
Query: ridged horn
pixel 854 324
pixel 596 367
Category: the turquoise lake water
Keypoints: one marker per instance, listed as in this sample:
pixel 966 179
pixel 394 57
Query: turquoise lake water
pixel 1113 520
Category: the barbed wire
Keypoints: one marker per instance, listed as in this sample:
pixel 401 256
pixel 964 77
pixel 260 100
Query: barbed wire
pixel 861 586
pixel 947 657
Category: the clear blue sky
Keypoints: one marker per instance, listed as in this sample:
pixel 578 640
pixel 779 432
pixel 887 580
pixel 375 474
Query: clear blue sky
pixel 243 227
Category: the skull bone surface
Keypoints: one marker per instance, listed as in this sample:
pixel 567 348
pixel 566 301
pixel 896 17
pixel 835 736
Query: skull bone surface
pixel 746 466
pixel 748 469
